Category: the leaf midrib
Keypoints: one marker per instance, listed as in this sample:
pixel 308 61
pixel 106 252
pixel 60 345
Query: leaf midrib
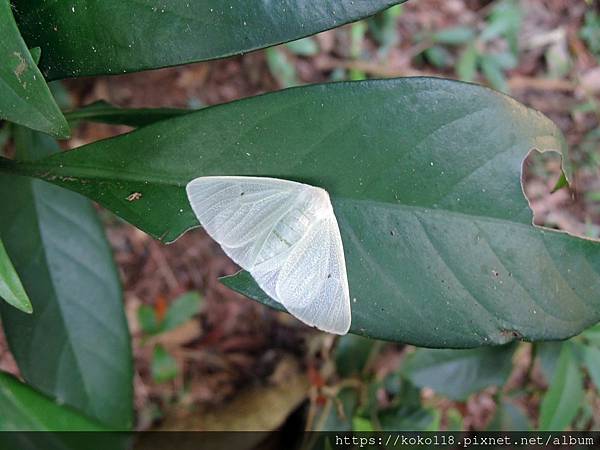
pixel 48 172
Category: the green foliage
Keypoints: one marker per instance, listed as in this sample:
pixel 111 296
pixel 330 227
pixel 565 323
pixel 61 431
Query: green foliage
pixel 383 27
pixel 179 312
pixel 281 67
pixel 503 23
pixel 564 397
pixel 11 289
pixel 509 417
pixel 352 354
pixel 303 47
pixel 487 241
pixel 182 31
pixel 590 32
pixel 60 252
pixel 22 408
pixel 164 366
pixel 24 95
pixel 459 373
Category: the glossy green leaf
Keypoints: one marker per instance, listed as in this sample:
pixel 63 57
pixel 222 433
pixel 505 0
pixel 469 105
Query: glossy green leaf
pixel 104 112
pixel 425 180
pixel 11 289
pixel 146 34
pixel 181 310
pixel 22 408
pixel 75 347
pixel 164 366
pixel 24 95
pixel 31 421
pixel 459 373
pixel 565 394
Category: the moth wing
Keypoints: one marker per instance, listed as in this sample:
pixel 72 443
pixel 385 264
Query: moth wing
pixel 241 212
pixel 312 283
pixel 286 236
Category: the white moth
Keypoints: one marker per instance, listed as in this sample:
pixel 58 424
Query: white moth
pixel 286 235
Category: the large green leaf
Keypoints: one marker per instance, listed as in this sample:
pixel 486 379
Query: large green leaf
pixel 565 394
pixel 11 289
pixel 75 347
pixel 425 180
pixel 24 95
pixel 87 37
pixel 460 373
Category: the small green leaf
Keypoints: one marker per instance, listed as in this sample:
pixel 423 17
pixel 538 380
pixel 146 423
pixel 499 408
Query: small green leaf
pixel 561 183
pixel 565 394
pixel 504 20
pixel 147 319
pixel 438 56
pixel 11 289
pixel 361 424
pixel 281 67
pixel 383 27
pixel 492 71
pixel 181 310
pixel 164 366
pixel 24 95
pixel 505 60
pixel 459 373
pixel 466 68
pixel 303 47
pixel 454 36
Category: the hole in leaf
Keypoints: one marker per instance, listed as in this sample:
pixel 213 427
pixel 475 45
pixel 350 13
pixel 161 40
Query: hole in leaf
pixel 574 208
